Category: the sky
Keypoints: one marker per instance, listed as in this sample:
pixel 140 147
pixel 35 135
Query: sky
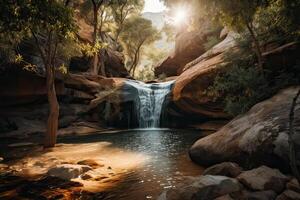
pixel 153 6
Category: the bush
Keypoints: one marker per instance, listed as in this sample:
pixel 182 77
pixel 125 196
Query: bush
pixel 243 85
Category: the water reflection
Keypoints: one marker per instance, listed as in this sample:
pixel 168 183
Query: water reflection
pixel 166 161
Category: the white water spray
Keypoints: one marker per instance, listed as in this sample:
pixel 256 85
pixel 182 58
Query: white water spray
pixel 149 103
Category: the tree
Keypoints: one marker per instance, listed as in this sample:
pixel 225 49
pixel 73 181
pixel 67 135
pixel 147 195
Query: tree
pixel 121 9
pixel 238 15
pixel 48 23
pixel 98 6
pixel 137 32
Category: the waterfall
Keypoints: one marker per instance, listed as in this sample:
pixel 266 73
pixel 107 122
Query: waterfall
pixel 150 100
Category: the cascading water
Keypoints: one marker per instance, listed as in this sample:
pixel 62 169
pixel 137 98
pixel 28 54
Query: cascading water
pixel 149 103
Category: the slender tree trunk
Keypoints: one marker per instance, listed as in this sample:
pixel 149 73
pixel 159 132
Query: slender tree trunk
pixel 292 152
pixel 257 47
pixel 94 67
pixel 52 123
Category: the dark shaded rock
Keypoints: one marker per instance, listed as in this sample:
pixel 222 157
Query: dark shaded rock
pixel 224 169
pixel 225 197
pixel 264 178
pixel 203 187
pixel 260 195
pixel 49 188
pixel 293 185
pixel 259 136
pixel 289 195
pixel 66 121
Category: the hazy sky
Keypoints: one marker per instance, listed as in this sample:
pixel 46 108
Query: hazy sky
pixel 153 6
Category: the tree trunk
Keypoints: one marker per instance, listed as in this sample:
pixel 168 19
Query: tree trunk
pixel 102 64
pixel 257 47
pixel 94 65
pixel 292 152
pixel 52 123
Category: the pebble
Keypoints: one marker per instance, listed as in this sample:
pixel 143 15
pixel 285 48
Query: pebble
pixel 1 159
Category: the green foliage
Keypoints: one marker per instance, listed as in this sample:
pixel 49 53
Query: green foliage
pixel 48 23
pixel 121 10
pixel 138 32
pixel 241 86
pixel 146 73
pixel 279 21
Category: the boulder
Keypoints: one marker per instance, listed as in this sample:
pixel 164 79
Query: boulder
pixel 68 171
pixel 293 185
pixel 190 88
pixel 203 187
pixel 224 169
pixel 189 92
pixel 225 197
pixel 289 195
pixel 263 178
pixel 259 195
pixel 259 136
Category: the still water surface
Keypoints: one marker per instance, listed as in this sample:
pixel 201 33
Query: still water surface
pixel 167 161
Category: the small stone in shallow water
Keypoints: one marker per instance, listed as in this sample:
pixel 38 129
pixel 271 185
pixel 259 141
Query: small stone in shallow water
pixel 68 171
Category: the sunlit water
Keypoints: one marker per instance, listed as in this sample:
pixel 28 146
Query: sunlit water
pixel 167 161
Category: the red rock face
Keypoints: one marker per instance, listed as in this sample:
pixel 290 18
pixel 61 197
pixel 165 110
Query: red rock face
pixel 188 46
pixel 189 92
pixel 20 86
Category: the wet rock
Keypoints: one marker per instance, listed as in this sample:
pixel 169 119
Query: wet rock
pixel 90 163
pixel 224 169
pixel 289 195
pixel 293 185
pixel 1 159
pixel 68 171
pixel 203 187
pixel 264 178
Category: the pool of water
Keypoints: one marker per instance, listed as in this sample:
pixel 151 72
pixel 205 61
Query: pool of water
pixel 167 160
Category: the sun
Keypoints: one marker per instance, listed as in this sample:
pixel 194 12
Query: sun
pixel 179 16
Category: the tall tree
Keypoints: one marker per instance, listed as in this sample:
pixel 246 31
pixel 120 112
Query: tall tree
pixel 137 32
pixel 97 10
pixel 121 10
pixel 48 22
pixel 238 15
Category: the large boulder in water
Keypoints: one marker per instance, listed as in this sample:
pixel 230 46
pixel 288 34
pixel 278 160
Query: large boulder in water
pixel 203 187
pixel 259 136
